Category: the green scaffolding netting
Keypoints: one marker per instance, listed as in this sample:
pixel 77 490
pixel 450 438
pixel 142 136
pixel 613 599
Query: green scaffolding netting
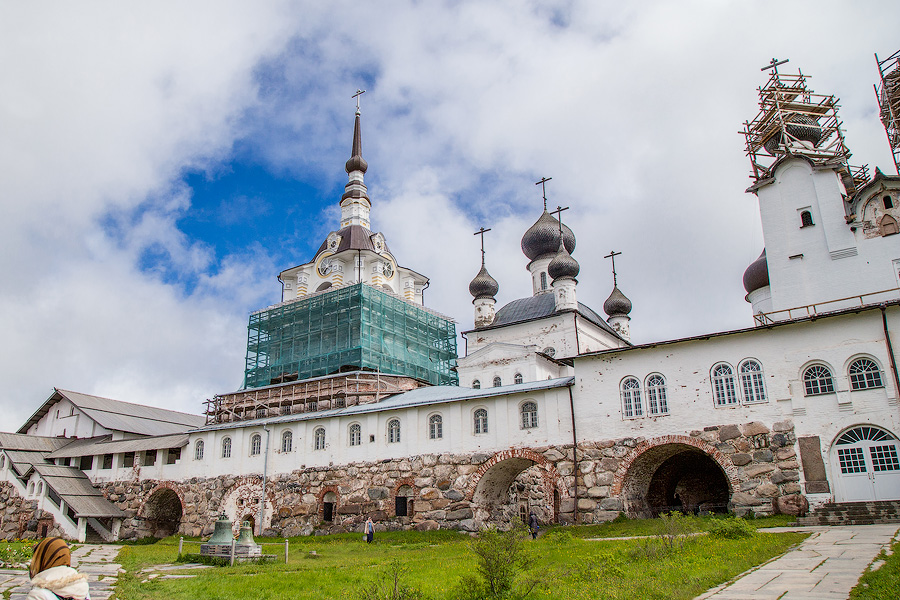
pixel 355 326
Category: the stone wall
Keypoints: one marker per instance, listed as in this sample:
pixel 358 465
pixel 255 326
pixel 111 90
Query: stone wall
pixel 21 518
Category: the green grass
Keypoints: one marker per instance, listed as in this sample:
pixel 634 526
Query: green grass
pixel 638 527
pixel 570 567
pixel 882 583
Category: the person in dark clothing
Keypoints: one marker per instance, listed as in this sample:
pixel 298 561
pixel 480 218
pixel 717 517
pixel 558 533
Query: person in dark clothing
pixel 370 530
pixel 533 526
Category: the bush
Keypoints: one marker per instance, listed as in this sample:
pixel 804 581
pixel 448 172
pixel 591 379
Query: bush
pixel 503 566
pixel 389 587
pixel 732 528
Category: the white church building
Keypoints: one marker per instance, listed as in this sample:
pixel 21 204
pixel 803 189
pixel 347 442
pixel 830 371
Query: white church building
pixel 355 404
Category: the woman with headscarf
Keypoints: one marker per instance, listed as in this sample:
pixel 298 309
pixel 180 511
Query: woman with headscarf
pixel 52 577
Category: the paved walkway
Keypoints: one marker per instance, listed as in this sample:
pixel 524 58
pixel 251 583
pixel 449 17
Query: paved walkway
pixel 95 561
pixel 826 566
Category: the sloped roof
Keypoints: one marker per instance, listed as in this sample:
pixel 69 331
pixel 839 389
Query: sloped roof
pixel 436 394
pixel 540 306
pixel 95 446
pixel 31 443
pixel 116 415
pixel 23 461
pixel 74 487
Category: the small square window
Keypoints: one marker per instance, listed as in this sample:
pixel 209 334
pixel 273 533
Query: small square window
pixel 150 458
pixel 128 460
pixel 107 461
pixel 888 202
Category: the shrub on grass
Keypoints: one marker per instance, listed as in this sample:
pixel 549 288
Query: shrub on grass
pixel 389 586
pixel 675 528
pixel 503 565
pixel 731 528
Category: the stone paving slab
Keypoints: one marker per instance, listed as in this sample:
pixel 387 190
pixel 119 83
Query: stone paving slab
pixel 826 566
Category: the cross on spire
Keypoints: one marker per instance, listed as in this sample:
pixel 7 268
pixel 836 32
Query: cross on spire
pixel 612 255
pixel 481 232
pixel 358 93
pixel 774 64
pixel 558 213
pixel 543 185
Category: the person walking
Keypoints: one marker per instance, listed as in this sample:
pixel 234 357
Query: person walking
pixel 370 530
pixel 533 525
pixel 52 576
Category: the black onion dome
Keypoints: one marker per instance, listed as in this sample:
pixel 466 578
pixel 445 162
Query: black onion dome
pixel 803 127
pixel 757 274
pixel 483 286
pixel 356 162
pixel 617 303
pixel 563 265
pixel 542 238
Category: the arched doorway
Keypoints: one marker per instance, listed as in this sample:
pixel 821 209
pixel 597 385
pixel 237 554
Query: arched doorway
pixel 867 460
pixel 669 477
pixel 513 484
pixel 162 512
pixel 329 503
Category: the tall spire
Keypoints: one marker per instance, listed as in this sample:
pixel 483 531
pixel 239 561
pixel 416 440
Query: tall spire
pixel 355 203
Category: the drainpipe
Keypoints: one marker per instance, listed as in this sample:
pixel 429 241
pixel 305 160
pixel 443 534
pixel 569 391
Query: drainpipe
pixel 574 448
pixel 262 499
pixel 890 349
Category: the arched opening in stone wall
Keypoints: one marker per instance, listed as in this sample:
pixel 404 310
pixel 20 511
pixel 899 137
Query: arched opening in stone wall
pixel 673 477
pixel 329 501
pixel 162 513
pixel 248 518
pixel 511 489
pixel 403 501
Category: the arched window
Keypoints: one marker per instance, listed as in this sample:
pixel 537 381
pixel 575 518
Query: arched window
pixel 287 441
pixel 806 219
pixel 543 280
pixel 355 434
pixel 3 462
pixel 198 450
pixel 518 378
pixel 723 385
pixel 481 421
pixel 497 382
pixel 226 447
pixel 435 427
pixel 40 489
pixel 752 383
pixel 529 415
pixel 393 431
pixel 31 488
pixel 888 202
pixel 476 385
pixel 865 374
pixel 319 439
pixel 817 380
pixel 255 444
pixel 656 395
pixel 631 398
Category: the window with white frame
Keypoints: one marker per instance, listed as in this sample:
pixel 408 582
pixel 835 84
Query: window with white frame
pixel 657 403
pixel 255 444
pixel 393 431
pixel 435 427
pixel 226 447
pixel 481 421
pixel 518 378
pixel 319 439
pixel 198 450
pixel 724 390
pixel 355 434
pixel 529 415
pixel 817 380
pixel 864 374
pixel 631 398
pixel 497 382
pixel 752 384
pixel 287 441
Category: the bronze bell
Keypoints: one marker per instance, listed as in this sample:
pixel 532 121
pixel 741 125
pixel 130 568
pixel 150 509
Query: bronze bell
pixel 246 536
pixel 222 533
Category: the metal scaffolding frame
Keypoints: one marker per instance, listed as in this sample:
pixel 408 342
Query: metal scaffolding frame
pixel 888 95
pixel 794 120
pixel 355 327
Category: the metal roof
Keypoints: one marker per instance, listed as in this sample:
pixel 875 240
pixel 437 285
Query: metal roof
pixel 32 443
pixel 106 446
pixel 424 396
pixel 76 490
pixel 540 306
pixel 116 415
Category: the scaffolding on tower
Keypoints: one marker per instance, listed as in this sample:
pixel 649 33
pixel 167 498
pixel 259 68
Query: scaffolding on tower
pixel 888 94
pixel 793 120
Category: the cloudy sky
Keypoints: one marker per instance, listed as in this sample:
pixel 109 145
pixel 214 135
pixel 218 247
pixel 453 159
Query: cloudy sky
pixel 161 163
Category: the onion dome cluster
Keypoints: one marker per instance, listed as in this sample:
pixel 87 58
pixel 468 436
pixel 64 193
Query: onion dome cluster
pixel 563 265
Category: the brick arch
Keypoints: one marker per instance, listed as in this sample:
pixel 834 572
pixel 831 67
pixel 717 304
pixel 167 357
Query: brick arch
pixel 520 459
pixel 167 485
pixel 724 463
pixel 406 481
pixel 320 500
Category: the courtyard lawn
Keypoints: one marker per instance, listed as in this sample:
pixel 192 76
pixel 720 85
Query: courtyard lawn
pixel 569 566
pixel 883 582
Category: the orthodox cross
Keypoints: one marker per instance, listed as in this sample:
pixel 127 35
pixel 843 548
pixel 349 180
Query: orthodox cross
pixel 481 232
pixel 543 185
pixel 774 64
pixel 612 255
pixel 558 212
pixel 358 93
